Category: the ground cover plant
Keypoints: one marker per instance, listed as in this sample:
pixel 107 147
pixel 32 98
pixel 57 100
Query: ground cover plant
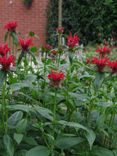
pixel 62 103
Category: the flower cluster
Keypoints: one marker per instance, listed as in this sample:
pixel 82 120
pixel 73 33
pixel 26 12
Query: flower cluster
pixel 72 41
pixel 6 62
pixel 113 66
pixel 103 61
pixel 55 78
pixel 4 49
pixel 103 50
pixel 99 62
pixel 11 26
pixel 25 43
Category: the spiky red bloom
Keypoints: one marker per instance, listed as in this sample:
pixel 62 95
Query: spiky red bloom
pixel 11 26
pixel 72 41
pixel 4 49
pixel 26 43
pixel 103 50
pixel 101 63
pixel 7 62
pixel 56 78
pixel 60 30
pixel 113 66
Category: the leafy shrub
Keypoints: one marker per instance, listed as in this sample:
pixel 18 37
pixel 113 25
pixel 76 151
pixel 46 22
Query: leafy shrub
pixel 88 18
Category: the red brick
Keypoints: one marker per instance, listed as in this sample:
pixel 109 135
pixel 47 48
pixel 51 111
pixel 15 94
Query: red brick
pixel 29 19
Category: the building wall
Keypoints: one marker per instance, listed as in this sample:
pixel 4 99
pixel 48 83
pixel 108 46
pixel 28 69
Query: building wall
pixel 29 19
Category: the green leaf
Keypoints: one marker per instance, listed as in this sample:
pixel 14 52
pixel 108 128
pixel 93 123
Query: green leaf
pixel 44 112
pixel 2 77
pixel 39 150
pixel 18 137
pixel 91 138
pixel 90 135
pixel 24 108
pixel 14 119
pixel 8 145
pixel 34 49
pixel 21 153
pixel 33 58
pixel 21 126
pixel 68 142
pixel 20 58
pixel 100 151
pixel 72 124
pixel 30 141
pixel 15 38
pixel 115 152
pixel 99 80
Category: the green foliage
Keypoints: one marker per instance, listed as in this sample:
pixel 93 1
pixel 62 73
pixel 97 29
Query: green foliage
pixel 88 18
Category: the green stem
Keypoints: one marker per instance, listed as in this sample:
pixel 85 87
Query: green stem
pixel 4 108
pixel 54 108
pixel 54 119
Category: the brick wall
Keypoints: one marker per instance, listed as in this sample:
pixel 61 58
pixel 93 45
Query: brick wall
pixel 29 19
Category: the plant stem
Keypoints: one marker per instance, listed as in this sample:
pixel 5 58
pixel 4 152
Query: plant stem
pixel 4 108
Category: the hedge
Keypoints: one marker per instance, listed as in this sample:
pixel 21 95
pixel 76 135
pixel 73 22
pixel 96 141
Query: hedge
pixel 89 18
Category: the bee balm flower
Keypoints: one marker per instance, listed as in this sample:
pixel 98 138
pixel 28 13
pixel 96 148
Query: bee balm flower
pixel 56 77
pixel 11 26
pixel 103 51
pixel 113 66
pixel 6 63
pixel 26 43
pixel 4 49
pixel 72 41
pixel 99 62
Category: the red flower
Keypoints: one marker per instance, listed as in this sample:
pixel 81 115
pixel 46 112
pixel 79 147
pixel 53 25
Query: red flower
pixel 89 60
pixel 11 26
pixel 47 47
pixel 4 49
pixel 113 66
pixel 60 30
pixel 56 78
pixel 99 62
pixel 104 50
pixel 7 62
pixel 54 52
pixel 72 41
pixel 26 43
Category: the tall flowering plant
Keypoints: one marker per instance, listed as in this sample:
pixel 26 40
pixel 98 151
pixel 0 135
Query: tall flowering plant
pixel 6 64
pixel 72 43
pixel 25 45
pixel 10 28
